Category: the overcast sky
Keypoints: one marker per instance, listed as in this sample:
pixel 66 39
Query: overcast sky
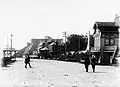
pixel 27 19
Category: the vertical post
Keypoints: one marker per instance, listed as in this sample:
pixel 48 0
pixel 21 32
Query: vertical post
pixel 89 41
pixel 88 45
pixel 65 41
pixel 11 46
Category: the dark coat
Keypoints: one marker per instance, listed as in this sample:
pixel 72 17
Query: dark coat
pixel 87 60
pixel 27 59
pixel 93 60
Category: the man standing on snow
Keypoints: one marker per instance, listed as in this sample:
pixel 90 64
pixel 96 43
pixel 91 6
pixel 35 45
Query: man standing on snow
pixel 93 62
pixel 27 60
pixel 87 61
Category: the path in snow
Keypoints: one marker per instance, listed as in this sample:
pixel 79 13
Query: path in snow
pixel 51 73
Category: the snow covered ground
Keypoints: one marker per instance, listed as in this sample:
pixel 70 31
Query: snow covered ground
pixel 52 73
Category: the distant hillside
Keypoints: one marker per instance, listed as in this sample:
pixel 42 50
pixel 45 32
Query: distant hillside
pixel 33 46
pixel 20 52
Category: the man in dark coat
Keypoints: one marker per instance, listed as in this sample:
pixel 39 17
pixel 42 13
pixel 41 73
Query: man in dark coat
pixel 27 60
pixel 93 62
pixel 87 61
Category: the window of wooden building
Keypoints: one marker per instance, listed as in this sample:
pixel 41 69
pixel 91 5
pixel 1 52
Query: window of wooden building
pixel 106 41
pixel 112 41
pixel 109 41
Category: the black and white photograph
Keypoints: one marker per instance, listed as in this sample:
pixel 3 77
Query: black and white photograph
pixel 59 43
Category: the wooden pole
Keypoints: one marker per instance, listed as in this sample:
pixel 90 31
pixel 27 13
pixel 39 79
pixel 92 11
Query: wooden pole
pixel 11 46
pixel 65 35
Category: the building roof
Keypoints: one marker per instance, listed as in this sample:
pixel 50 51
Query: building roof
pixel 105 26
pixel 105 23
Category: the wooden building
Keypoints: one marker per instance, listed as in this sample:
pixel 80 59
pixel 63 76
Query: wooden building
pixel 106 41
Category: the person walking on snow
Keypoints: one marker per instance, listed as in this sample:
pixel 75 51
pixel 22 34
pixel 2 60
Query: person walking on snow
pixel 87 61
pixel 93 62
pixel 27 60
